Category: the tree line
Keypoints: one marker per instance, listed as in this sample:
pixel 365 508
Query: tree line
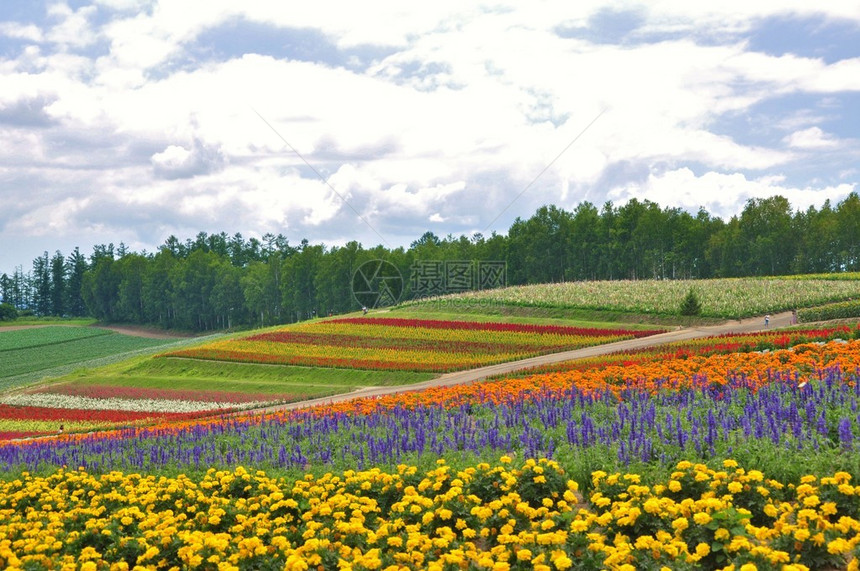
pixel 216 281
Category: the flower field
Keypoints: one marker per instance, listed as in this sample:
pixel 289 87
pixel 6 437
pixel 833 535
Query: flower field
pixel 728 343
pixel 726 298
pixel 75 408
pixel 403 344
pixel 737 452
pixel 529 516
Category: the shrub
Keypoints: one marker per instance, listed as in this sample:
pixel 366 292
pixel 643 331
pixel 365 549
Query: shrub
pixel 691 304
pixel 8 312
pixel 837 310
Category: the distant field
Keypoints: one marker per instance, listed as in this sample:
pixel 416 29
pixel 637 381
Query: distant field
pixel 42 336
pixel 141 390
pixel 720 298
pixel 38 349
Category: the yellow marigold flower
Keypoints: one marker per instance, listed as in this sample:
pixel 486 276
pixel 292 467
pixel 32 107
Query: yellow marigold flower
pixel 702 549
pixel 702 518
pixel 722 534
pixel 735 487
pixel 811 501
pixel 728 463
pixel 749 567
pixel 674 485
pixel 652 506
pixel 524 555
pixel 561 560
pixel 578 526
pixel 839 545
pixel 801 534
pixel 680 524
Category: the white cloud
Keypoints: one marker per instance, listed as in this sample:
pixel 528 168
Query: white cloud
pixel 27 32
pixel 449 110
pixel 73 28
pixel 811 138
pixel 723 194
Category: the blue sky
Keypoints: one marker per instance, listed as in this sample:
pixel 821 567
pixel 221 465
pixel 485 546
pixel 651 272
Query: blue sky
pixel 133 120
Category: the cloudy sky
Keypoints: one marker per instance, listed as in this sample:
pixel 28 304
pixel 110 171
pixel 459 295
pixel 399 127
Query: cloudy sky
pixel 131 120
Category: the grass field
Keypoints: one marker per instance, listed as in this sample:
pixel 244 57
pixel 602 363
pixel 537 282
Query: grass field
pixel 32 350
pixel 209 375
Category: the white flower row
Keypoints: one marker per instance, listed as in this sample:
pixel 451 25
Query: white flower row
pixel 50 400
pixel 719 297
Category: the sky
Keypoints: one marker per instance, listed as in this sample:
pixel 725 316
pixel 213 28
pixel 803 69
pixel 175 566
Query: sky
pixel 128 121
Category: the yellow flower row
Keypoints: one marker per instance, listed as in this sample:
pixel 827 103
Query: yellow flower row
pixel 484 517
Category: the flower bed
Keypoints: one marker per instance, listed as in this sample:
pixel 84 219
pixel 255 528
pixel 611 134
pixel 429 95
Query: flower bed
pixel 404 344
pixel 726 298
pixel 528 516
pixel 787 403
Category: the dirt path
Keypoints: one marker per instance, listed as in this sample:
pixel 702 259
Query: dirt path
pixel 132 330
pixel 149 333
pixel 473 375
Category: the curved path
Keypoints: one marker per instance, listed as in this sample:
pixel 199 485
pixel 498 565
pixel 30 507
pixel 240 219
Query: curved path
pixel 472 375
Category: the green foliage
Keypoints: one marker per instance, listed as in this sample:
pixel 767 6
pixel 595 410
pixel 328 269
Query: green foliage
pixel 838 310
pixel 8 312
pixel 691 304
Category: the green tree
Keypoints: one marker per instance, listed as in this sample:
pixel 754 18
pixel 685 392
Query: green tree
pixel 848 227
pixel 130 303
pixel 228 300
pixel 299 272
pixel 193 280
pixel 159 301
pixel 8 311
pixel 691 304
pixel 766 230
pixel 42 285
pixel 100 288
pixel 76 268
pixel 58 284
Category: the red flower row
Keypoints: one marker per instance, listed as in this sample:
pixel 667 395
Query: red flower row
pixel 13 434
pixel 436 345
pixel 9 412
pixel 493 326
pixel 329 362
